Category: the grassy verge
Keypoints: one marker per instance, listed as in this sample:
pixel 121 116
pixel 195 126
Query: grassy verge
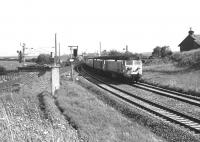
pixel 181 79
pixel 96 120
pixel 23 120
pixel 62 131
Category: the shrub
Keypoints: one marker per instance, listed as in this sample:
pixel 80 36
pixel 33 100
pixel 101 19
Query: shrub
pixel 44 59
pixel 189 58
pixel 156 52
pixel 114 53
pixel 2 69
pixel 165 51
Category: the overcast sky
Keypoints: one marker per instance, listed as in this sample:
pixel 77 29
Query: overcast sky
pixel 140 24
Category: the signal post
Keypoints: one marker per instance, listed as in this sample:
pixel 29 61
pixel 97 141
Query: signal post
pixel 74 53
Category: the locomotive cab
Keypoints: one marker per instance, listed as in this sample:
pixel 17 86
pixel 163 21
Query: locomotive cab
pixel 133 69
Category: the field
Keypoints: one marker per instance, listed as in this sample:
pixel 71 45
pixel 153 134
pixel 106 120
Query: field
pixel 170 76
pixel 12 65
pixel 181 73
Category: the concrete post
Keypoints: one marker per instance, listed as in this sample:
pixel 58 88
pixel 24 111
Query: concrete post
pixel 55 79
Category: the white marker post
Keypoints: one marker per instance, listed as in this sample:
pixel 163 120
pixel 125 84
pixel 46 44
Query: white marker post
pixel 55 75
pixel 55 79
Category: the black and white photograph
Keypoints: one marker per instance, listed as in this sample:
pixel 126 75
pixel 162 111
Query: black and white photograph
pixel 99 71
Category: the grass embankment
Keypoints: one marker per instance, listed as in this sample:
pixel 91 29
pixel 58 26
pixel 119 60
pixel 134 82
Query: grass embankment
pixel 29 116
pixel 97 121
pixel 180 72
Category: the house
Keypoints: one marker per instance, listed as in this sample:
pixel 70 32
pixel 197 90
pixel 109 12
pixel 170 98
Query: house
pixel 192 41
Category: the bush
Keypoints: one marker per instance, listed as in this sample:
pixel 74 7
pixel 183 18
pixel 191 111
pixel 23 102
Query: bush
pixel 165 51
pixel 44 59
pixel 156 52
pixel 114 53
pixel 189 58
pixel 2 69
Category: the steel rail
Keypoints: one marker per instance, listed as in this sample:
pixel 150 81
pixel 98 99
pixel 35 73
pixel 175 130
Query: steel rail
pixel 168 93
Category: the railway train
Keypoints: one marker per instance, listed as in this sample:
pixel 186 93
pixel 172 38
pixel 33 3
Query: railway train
pixel 128 68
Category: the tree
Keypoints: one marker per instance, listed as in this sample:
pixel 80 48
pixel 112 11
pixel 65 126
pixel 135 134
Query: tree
pixel 19 56
pixel 156 51
pixel 44 59
pixel 104 53
pixel 114 53
pixel 166 51
pixel 128 53
pixel 161 51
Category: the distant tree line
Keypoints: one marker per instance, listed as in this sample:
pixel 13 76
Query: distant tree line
pixel 117 53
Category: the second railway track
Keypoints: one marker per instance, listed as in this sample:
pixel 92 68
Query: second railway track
pixel 164 112
pixel 171 94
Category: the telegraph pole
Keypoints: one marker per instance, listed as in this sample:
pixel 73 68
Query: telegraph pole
pixel 55 77
pixel 55 56
pixel 126 48
pixel 100 49
pixel 59 52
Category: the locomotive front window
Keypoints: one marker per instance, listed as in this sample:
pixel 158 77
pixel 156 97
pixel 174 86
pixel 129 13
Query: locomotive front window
pixel 129 62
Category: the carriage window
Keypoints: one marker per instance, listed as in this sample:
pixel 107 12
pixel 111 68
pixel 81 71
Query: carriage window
pixel 129 62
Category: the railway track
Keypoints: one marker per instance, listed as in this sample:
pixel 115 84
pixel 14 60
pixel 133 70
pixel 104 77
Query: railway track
pixel 156 109
pixel 168 93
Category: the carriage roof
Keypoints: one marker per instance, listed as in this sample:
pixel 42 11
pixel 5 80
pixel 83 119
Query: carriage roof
pixel 117 58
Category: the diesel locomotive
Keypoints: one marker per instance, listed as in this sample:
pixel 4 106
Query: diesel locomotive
pixel 124 67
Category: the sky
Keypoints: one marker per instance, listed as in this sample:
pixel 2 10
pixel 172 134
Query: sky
pixel 140 24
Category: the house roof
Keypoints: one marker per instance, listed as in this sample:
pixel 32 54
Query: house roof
pixel 195 37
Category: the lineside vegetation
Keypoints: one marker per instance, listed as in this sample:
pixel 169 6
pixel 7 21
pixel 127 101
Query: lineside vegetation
pixel 179 71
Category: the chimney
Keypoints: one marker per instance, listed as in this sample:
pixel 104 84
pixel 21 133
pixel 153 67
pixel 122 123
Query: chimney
pixel 191 32
pixel 51 54
pixel 126 48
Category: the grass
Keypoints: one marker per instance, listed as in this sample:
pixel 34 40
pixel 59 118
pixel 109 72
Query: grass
pixel 97 121
pixel 179 72
pixel 30 115
pixel 12 65
pixel 170 76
